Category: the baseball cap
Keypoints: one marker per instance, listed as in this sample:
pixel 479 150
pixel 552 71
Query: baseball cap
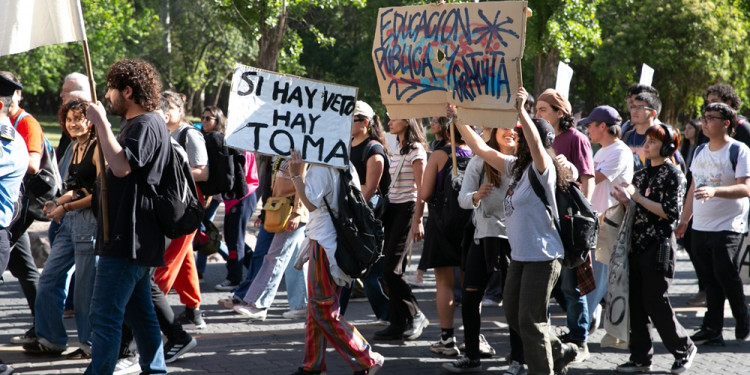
pixel 602 113
pixel 363 109
pixel 8 87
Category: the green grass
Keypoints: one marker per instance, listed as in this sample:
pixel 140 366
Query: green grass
pixel 52 130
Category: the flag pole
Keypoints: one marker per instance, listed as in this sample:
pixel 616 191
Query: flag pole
pixel 99 155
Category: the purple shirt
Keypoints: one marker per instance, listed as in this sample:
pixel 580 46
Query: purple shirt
pixel 577 148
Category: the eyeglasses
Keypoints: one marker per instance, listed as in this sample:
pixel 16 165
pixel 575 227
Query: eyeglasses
pixel 359 119
pixel 642 108
pixel 208 118
pixel 708 118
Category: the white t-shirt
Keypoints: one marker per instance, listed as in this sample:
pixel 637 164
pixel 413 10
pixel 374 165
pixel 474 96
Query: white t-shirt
pixel 713 168
pixel 320 182
pixel 531 231
pixel 615 162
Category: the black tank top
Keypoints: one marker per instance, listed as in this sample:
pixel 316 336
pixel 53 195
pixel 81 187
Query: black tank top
pixel 84 171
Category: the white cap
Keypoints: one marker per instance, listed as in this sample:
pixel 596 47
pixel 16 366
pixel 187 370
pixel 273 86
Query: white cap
pixel 363 109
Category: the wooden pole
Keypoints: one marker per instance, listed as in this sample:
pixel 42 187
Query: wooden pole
pixel 99 155
pixel 453 148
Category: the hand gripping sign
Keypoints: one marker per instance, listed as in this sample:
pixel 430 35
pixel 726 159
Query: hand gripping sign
pixel 468 55
pixel 271 113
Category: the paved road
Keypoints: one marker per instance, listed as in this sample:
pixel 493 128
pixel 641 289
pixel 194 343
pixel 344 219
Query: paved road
pixel 229 345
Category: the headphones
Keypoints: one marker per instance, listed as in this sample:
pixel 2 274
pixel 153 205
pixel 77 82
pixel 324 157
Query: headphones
pixel 668 147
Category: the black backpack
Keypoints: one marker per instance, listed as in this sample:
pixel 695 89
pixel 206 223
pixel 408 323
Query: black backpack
pixel 226 169
pixel 176 204
pixel 444 207
pixel 578 224
pixel 359 235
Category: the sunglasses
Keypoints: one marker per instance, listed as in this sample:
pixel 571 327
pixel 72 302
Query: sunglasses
pixel 207 118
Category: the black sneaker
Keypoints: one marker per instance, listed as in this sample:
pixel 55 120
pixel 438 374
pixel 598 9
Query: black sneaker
pixel 631 367
pixel 27 338
pixel 707 336
pixel 568 355
pixel 683 364
pixel 36 347
pixel 174 350
pixel 392 332
pixel 192 318
pixel 464 365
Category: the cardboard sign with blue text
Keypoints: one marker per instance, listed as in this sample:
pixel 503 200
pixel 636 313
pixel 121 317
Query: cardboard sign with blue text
pixel 465 54
pixel 271 113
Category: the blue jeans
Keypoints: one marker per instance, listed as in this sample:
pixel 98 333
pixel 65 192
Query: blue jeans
pixel 577 308
pixel 262 244
pixel 235 225
pixel 263 289
pixel 74 244
pixel 122 292
pixel 601 277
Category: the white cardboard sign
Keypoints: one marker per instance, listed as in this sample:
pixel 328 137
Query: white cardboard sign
pixel 647 75
pixel 271 113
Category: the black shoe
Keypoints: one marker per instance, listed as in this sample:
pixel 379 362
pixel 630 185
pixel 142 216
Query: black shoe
pixel 392 332
pixel 27 338
pixel 192 318
pixel 463 365
pixel 683 364
pixel 707 336
pixel 78 354
pixel 569 354
pixel 301 371
pixel 174 349
pixel 37 347
pixel 742 331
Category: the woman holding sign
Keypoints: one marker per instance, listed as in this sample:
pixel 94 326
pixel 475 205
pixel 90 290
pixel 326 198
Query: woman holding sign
pixel 403 223
pixel 535 244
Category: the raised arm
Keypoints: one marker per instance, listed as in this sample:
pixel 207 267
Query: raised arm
pixel 476 143
pixel 531 134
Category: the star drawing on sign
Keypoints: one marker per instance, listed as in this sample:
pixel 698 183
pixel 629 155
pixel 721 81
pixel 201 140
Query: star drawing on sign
pixel 493 29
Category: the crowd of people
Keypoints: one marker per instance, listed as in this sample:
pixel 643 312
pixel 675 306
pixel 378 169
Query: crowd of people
pixel 487 235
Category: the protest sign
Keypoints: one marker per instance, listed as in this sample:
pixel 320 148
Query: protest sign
pixel 564 76
pixel 271 113
pixel 468 55
pixel 647 75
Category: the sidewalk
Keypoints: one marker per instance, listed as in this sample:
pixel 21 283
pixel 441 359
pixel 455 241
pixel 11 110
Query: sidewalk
pixel 229 345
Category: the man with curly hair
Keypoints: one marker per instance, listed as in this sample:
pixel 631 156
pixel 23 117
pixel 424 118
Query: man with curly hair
pixel 136 159
pixel 720 93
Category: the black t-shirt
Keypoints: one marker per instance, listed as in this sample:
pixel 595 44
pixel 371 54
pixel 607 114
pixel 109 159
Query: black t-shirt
pixel 360 162
pixel 134 231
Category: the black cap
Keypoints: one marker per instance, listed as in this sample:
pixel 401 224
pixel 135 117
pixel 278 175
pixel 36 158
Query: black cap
pixel 546 131
pixel 8 87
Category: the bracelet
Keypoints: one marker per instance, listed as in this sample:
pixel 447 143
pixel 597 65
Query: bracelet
pixel 296 176
pixel 65 208
pixel 55 202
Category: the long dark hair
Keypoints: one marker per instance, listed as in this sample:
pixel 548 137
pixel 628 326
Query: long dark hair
pixel 375 130
pixel 523 153
pixel 414 134
pixel 492 174
pixel 221 121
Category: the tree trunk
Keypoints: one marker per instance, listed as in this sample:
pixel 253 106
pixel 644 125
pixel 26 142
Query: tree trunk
pixel 221 86
pixel 270 42
pixel 545 71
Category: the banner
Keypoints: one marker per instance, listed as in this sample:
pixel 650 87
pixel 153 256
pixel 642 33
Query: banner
pixel 468 55
pixel 271 113
pixel 27 24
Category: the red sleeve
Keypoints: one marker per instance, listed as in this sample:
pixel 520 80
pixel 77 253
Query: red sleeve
pixel 31 132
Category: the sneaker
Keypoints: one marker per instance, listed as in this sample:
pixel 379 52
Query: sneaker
pixel 127 365
pixel 568 355
pixel 489 302
pixel 464 365
pixel 583 352
pixel 418 324
pixel 78 354
pixel 381 322
pixel 392 332
pixel 596 319
pixel 226 286
pixel 5 369
pixel 229 302
pixel 295 314
pixel 445 347
pixel 27 338
pixel 707 336
pixel 631 367
pixel 174 350
pixel 699 299
pixel 379 361
pixel 683 364
pixel 192 318
pixel 515 368
pixel 36 347
pixel 67 314
pixel 255 315
pixel 485 349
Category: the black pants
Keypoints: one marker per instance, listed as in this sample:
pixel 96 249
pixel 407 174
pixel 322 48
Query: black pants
pixel 649 304
pixel 477 275
pixel 397 221
pixel 718 260
pixel 21 265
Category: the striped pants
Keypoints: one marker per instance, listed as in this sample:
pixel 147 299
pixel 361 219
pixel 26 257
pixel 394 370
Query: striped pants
pixel 325 324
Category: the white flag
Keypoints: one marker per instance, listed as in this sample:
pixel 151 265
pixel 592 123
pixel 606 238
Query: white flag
pixel 27 24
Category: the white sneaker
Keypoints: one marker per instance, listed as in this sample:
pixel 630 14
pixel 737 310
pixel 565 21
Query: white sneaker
pixel 225 286
pixel 419 323
pixel 295 314
pixel 127 365
pixel 596 319
pixel 487 302
pixel 446 347
pixel 255 315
